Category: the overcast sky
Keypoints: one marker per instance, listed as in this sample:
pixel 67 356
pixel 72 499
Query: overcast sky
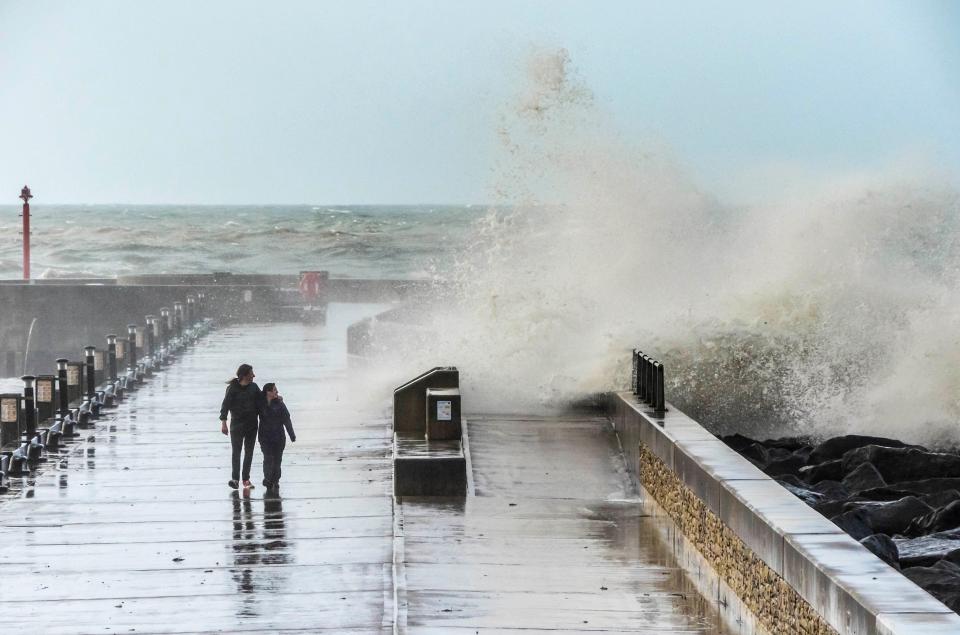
pixel 397 102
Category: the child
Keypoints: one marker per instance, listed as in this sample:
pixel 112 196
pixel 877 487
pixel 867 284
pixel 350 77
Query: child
pixel 273 419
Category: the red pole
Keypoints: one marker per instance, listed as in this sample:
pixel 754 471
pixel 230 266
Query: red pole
pixel 26 196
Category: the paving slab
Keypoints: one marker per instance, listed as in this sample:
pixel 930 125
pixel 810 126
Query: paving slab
pixel 556 540
pixel 132 528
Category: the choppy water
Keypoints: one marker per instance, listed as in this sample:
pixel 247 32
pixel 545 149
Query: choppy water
pixel 347 240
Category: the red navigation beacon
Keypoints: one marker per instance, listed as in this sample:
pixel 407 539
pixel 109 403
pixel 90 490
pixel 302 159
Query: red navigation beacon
pixel 26 196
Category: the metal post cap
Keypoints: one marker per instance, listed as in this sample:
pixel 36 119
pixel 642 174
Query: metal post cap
pixel 62 363
pixel 28 380
pixel 89 350
pixel 111 339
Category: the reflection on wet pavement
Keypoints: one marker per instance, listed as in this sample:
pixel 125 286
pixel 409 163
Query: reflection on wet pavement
pixel 133 528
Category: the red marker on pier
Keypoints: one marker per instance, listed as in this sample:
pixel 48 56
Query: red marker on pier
pixel 26 196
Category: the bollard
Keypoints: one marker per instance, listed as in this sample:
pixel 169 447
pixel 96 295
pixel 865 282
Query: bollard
pixel 62 390
pixel 178 319
pixel 151 341
pixel 121 349
pixel 131 355
pixel 93 404
pixel 191 316
pixel 112 357
pixel 91 376
pixel 132 347
pixel 140 340
pixel 34 447
pixel 44 393
pixel 200 305
pixel 165 327
pixel 634 388
pixel 10 406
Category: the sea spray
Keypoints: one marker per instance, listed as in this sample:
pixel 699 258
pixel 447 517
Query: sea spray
pixel 819 315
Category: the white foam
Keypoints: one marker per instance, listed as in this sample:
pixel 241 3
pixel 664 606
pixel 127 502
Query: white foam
pixel 829 312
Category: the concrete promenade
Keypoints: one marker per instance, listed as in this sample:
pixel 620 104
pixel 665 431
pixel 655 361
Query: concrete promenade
pixel 134 529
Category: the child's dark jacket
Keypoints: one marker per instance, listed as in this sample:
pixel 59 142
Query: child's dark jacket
pixel 274 417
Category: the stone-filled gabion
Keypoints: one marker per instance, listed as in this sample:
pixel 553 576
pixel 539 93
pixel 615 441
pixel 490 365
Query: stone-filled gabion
pixel 776 605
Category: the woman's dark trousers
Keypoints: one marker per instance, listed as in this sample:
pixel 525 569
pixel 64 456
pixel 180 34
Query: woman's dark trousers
pixel 243 436
pixel 272 457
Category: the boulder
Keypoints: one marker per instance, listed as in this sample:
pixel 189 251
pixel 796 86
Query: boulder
pixel 828 470
pixel 864 476
pixel 903 464
pixel 788 465
pixel 757 453
pixel 790 479
pixel 855 523
pixel 830 508
pixel 836 447
pixel 894 518
pixel 831 490
pixel 927 550
pixel 809 497
pixel 790 444
pixel 928 485
pixel 942 581
pixel 935 521
pixel 884 548
pixel 940 499
pixel 737 441
pixel 884 494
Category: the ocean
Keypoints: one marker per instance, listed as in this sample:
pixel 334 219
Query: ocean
pixel 360 241
pixel 831 314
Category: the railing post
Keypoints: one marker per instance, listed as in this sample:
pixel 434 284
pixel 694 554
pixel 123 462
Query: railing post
pixel 659 403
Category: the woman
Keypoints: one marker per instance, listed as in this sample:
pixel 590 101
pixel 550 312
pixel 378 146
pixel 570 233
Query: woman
pixel 273 419
pixel 243 400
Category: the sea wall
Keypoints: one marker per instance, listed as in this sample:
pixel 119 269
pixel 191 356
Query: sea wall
pixel 71 314
pixel 796 571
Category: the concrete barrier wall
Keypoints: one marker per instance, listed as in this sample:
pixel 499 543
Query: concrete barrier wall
pixel 794 569
pixel 72 314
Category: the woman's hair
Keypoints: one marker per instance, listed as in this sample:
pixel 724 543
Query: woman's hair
pixel 242 371
pixel 268 387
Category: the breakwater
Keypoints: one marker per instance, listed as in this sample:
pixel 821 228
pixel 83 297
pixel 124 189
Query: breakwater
pixel 38 424
pixel 792 569
pixel 47 319
pixel 900 501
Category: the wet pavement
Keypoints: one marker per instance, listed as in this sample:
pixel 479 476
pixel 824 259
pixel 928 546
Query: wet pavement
pixel 555 541
pixel 133 528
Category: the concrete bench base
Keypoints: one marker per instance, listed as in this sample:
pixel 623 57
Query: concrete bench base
pixel 428 468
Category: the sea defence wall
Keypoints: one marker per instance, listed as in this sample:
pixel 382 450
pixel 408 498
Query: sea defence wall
pixel 71 314
pixel 794 570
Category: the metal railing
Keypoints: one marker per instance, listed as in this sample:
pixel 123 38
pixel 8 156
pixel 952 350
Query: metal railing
pixel 647 381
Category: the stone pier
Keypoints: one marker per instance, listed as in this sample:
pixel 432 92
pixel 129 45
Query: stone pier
pixel 132 528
